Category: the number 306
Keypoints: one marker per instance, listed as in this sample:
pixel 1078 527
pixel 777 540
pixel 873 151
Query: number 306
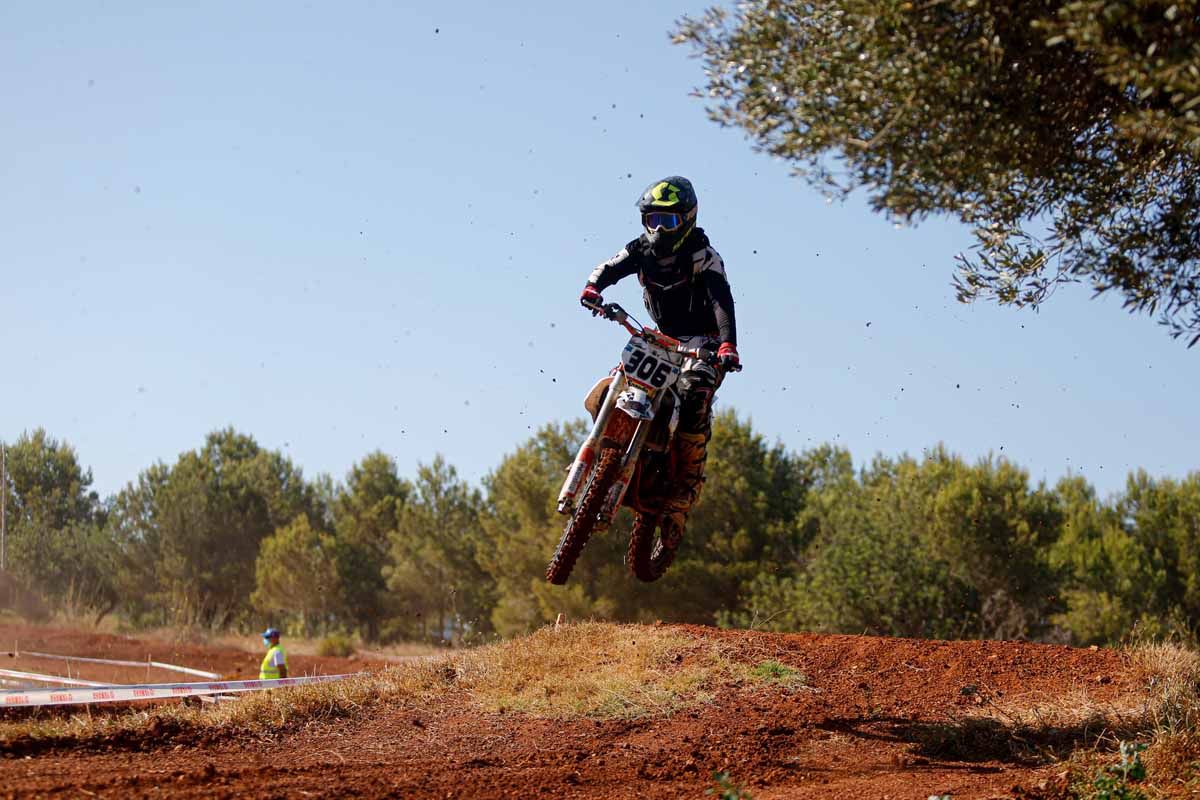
pixel 648 368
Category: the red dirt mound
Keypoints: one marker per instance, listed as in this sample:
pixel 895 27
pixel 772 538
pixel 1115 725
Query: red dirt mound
pixel 876 718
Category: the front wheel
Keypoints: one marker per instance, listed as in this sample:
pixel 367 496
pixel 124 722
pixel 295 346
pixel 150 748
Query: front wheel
pixel 579 528
pixel 650 554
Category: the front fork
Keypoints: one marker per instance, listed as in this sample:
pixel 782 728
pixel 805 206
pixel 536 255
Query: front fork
pixel 628 464
pixel 586 456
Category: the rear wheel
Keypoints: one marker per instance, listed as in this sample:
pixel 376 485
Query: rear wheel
pixel 579 528
pixel 649 554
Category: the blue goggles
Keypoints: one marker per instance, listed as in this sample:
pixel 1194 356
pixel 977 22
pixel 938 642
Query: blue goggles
pixel 661 220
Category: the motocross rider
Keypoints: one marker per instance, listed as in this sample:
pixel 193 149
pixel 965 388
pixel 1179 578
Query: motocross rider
pixel 687 294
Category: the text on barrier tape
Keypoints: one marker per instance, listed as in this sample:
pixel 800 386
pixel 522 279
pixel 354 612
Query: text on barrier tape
pixel 149 691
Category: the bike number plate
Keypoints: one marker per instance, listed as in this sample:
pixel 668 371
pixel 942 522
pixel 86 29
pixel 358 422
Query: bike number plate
pixel 649 365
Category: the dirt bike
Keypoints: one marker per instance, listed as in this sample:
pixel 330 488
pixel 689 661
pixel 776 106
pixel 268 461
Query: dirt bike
pixel 627 456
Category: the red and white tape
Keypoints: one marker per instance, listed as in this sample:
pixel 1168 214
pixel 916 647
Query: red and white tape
pixel 149 691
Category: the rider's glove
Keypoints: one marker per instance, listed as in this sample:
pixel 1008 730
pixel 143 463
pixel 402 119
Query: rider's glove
pixel 590 297
pixel 727 355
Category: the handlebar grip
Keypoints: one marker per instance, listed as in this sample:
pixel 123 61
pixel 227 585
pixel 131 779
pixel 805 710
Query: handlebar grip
pixel 711 358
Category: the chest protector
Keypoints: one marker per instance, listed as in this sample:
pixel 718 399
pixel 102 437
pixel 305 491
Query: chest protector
pixel 673 289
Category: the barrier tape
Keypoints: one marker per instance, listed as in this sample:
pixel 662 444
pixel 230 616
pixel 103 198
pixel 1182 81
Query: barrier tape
pixel 150 691
pixel 34 676
pixel 199 673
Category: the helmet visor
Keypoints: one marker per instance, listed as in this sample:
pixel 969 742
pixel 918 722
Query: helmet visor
pixel 661 221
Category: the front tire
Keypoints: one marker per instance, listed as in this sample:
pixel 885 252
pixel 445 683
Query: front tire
pixel 583 522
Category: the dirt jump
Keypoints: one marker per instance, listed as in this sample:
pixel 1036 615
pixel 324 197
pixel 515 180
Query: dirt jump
pixel 610 711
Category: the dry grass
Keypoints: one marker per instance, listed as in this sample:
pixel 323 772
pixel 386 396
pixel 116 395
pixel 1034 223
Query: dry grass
pixel 594 670
pixel 589 670
pixel 252 713
pixel 1083 734
pixel 1031 730
pixel 1171 674
pixel 1163 712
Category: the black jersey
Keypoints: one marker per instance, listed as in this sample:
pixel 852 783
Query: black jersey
pixel 686 293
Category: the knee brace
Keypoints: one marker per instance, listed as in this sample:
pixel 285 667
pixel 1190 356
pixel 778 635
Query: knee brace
pixel 696 387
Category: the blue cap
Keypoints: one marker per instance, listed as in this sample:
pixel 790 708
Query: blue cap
pixel 270 633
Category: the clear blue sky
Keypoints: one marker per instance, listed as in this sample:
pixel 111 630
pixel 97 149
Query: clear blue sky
pixel 342 227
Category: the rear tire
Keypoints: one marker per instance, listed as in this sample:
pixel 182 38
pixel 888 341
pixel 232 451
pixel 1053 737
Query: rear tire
pixel 579 528
pixel 648 555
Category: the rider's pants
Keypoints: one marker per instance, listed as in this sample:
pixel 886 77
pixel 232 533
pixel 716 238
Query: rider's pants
pixel 697 384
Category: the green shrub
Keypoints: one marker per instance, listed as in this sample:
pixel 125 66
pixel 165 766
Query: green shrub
pixel 336 644
pixel 1114 784
pixel 727 789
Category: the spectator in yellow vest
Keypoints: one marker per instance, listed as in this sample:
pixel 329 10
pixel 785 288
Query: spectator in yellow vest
pixel 274 664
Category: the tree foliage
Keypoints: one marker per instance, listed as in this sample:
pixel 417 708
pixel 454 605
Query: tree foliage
pixel 1065 133
pixel 1132 563
pixel 55 540
pixel 521 529
pixel 1108 576
pixel 433 573
pixel 233 535
pixel 296 580
pixel 933 548
pixel 743 523
pixel 367 512
pixel 199 525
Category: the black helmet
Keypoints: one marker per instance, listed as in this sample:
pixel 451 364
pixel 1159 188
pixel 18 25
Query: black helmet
pixel 668 214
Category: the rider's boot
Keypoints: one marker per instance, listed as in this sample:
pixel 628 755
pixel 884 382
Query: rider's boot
pixel 691 451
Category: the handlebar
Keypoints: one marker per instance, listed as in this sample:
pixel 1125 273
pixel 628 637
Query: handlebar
pixel 614 312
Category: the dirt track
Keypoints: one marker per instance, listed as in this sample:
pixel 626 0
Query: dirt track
pixel 872 723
